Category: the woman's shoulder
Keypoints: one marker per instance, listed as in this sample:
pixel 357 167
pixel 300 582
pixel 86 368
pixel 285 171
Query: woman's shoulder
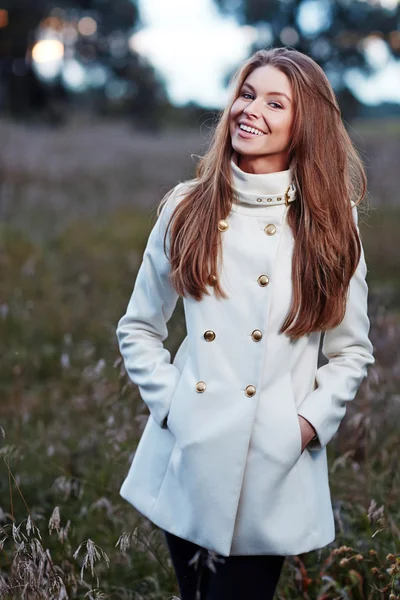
pixel 175 195
pixel 354 211
pixel 183 187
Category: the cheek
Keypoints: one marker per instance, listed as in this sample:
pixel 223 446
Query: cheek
pixel 232 122
pixel 289 123
pixel 234 114
pixel 284 126
pixel 235 110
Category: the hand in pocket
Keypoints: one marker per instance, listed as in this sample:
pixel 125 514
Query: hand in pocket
pixel 307 432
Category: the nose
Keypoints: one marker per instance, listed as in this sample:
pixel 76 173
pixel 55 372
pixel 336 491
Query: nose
pixel 251 109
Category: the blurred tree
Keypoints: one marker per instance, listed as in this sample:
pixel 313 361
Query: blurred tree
pixel 95 34
pixel 335 33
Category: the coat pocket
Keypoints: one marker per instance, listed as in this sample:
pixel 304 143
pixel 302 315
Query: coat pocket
pixel 278 433
pixel 294 406
pixel 174 395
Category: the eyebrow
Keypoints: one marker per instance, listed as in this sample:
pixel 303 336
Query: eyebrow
pixel 268 93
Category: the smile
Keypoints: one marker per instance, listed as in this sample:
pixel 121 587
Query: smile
pixel 251 130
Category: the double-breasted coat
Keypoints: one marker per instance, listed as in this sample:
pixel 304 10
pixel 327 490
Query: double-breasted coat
pixel 219 462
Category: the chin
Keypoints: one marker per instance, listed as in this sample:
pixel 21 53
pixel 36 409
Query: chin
pixel 248 152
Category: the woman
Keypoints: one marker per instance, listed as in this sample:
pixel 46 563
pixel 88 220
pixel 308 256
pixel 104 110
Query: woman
pixel 265 249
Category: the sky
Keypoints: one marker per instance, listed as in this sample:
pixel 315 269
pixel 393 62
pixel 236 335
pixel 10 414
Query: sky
pixel 193 47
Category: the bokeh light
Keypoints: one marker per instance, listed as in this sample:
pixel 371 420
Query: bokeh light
pixel 376 51
pixel 3 17
pixel 69 34
pixel 87 26
pixel 47 50
pixel 47 58
pixel 74 76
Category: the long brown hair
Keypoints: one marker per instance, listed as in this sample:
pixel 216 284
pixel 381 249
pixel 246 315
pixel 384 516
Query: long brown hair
pixel 327 172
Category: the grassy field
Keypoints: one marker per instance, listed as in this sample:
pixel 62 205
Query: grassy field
pixel 76 208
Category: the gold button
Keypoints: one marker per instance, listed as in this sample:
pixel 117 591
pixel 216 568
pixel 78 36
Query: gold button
pixel 270 229
pixel 200 386
pixel 250 390
pixel 256 335
pixel 263 280
pixel 269 199
pixel 259 199
pixel 209 335
pixel 212 279
pixel 223 225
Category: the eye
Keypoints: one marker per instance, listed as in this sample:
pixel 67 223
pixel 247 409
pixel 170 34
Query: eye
pixel 276 104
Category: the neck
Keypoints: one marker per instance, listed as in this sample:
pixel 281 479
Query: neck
pixel 261 188
pixel 260 164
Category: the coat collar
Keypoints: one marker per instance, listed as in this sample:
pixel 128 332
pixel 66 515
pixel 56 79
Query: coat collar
pixel 265 189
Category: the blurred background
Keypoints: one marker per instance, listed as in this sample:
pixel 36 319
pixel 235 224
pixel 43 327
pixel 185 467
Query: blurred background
pixel 103 108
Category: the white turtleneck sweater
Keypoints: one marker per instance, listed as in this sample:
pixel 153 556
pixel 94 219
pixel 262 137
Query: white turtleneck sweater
pixel 257 193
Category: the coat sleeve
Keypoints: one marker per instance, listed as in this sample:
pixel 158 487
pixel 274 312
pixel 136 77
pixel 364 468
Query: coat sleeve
pixel 350 352
pixel 142 330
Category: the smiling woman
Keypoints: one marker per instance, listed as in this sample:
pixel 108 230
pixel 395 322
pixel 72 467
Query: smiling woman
pixel 262 111
pixel 264 247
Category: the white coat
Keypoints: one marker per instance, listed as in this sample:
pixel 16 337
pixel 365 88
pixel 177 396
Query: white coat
pixel 219 462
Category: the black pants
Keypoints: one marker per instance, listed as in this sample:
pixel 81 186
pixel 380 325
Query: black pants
pixel 252 577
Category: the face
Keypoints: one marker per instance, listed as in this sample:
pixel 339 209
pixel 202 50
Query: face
pixel 265 102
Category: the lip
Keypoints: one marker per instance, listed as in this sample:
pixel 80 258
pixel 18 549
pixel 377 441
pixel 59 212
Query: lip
pixel 244 122
pixel 246 134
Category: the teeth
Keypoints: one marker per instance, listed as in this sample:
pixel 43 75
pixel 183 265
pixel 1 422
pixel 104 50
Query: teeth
pixel 251 129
